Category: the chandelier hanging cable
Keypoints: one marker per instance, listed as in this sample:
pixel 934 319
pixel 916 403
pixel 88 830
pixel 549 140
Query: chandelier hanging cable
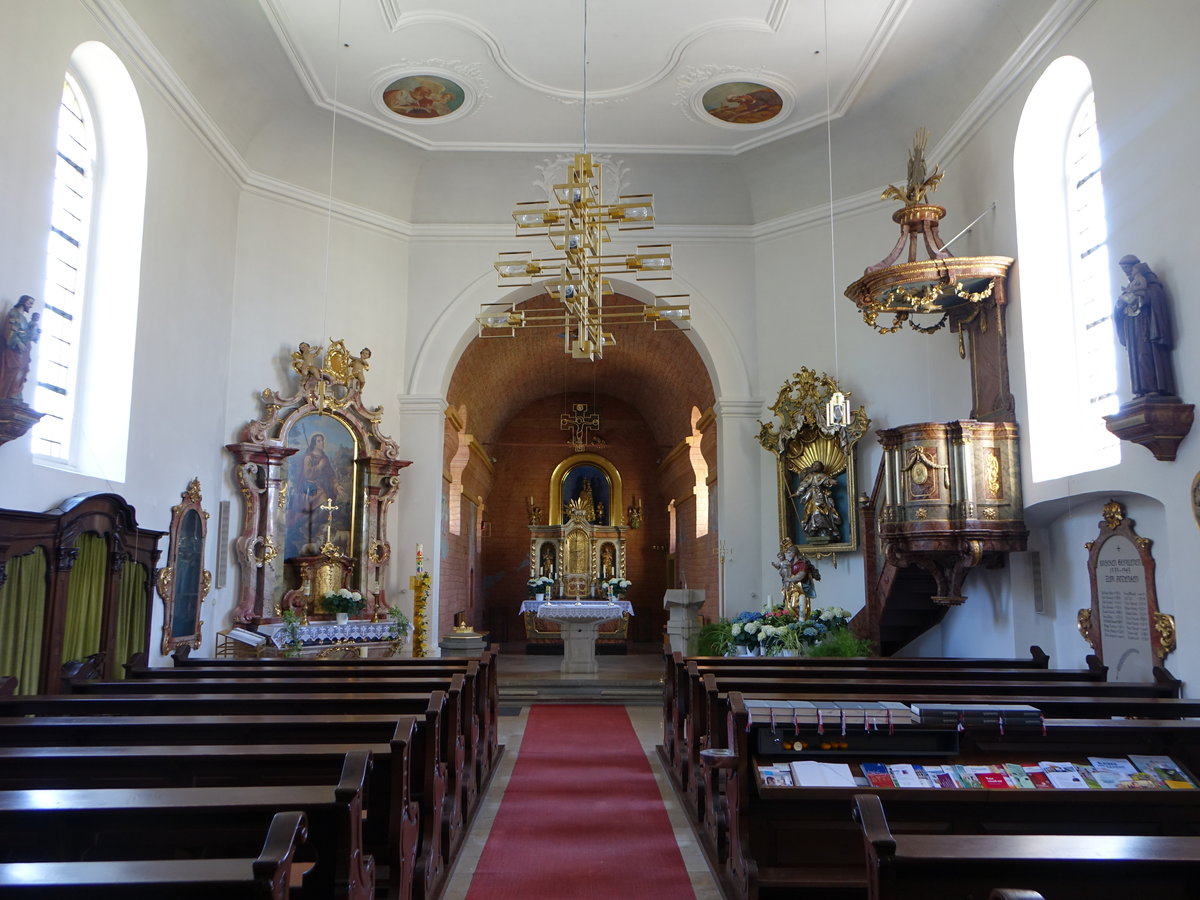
pixel 577 220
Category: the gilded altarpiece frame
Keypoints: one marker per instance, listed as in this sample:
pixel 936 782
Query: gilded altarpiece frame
pixel 809 450
pixel 183 583
pixel 316 478
pixel 1123 624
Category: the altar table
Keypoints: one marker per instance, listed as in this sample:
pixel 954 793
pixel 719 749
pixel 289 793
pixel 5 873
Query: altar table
pixel 579 621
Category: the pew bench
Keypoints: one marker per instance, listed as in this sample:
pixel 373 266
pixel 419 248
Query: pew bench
pixel 390 827
pixel 108 824
pixel 267 877
pixel 1068 866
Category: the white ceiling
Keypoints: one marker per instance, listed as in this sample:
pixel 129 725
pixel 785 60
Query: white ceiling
pixel 520 64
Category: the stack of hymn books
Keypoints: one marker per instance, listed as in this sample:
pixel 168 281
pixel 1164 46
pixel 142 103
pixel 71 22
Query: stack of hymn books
pixel 878 713
pixel 1138 771
pixel 1015 714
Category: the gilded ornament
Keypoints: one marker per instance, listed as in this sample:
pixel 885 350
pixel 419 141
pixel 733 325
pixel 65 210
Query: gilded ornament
pixel 1083 621
pixel 1113 514
pixel 1164 625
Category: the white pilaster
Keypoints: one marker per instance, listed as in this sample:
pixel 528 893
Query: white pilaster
pixel 740 508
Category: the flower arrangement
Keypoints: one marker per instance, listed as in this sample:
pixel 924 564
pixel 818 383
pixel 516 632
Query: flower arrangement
pixel 782 628
pixel 539 584
pixel 618 587
pixel 344 601
pixel 291 632
pixel 422 584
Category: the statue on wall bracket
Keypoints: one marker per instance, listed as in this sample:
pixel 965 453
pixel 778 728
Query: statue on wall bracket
pixel 316 478
pixel 815 456
pixel 1156 417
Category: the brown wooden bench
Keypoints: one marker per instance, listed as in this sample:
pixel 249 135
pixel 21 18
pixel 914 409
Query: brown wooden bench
pixel 766 841
pixel 458 721
pixel 100 824
pixel 428 778
pixel 487 692
pixel 267 877
pixel 1093 866
pixel 390 829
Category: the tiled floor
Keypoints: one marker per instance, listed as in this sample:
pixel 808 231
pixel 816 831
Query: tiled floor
pixel 515 669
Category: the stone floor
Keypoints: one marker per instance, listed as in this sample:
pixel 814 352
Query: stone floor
pixel 522 680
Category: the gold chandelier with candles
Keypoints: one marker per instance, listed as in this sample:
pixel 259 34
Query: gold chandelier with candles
pixel 577 221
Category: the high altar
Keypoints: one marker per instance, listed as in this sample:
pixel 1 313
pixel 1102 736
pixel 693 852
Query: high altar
pixel 583 550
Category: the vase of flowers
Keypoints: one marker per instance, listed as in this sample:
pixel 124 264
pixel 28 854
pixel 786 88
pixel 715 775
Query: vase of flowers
pixel 343 603
pixel 617 587
pixel 539 586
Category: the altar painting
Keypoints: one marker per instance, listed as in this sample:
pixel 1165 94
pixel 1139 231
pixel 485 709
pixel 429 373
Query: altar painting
pixel 321 471
pixel 588 485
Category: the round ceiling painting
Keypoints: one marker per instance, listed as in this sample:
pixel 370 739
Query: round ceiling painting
pixel 423 96
pixel 742 102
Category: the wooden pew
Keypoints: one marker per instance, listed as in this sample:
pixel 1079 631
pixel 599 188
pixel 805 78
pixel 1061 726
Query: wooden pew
pixel 457 722
pixel 680 682
pixel 786 841
pixel 707 703
pixel 1093 866
pixel 390 830
pixel 428 775
pixel 487 694
pixel 217 822
pixel 266 877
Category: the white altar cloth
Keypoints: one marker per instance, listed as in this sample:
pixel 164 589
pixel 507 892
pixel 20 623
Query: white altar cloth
pixel 579 622
pixel 329 632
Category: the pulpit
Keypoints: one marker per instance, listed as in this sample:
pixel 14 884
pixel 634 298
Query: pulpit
pixel 683 622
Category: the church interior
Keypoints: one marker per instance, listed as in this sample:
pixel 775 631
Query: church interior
pixel 340 297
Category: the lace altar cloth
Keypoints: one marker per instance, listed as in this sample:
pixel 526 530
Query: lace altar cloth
pixel 591 610
pixel 329 632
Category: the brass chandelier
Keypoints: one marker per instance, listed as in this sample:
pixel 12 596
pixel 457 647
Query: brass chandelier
pixel 577 221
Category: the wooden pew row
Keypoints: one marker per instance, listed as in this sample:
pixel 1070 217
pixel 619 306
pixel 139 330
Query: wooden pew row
pixel 428 778
pixel 267 877
pixel 206 822
pixel 675 666
pixel 703 724
pixel 705 803
pixel 1097 867
pixel 390 830
pixel 1069 698
pixel 459 724
pixel 480 695
pixel 682 673
pixel 457 720
pixel 488 695
pixel 785 841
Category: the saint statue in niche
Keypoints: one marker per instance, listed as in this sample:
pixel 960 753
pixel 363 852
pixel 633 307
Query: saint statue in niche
pixel 1142 320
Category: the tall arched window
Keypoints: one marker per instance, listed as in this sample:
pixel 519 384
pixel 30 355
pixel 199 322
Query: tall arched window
pixel 93 268
pixel 1066 295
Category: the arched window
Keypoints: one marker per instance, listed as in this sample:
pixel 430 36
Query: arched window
pixel 93 263
pixel 1066 297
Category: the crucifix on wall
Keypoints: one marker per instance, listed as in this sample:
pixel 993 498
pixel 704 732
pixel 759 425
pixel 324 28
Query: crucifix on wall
pixel 579 422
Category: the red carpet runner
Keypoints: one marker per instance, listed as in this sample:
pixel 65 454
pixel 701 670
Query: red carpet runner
pixel 582 816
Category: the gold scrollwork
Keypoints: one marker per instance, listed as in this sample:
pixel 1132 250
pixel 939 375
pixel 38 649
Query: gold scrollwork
pixel 166 575
pixel 261 550
pixel 1114 513
pixel 379 552
pixel 1164 625
pixel 1083 621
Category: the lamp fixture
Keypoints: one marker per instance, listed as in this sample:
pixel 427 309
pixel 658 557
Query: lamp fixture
pixel 576 220
pixel 952 288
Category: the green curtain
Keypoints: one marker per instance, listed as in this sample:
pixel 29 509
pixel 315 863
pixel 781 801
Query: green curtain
pixel 131 616
pixel 22 618
pixel 85 598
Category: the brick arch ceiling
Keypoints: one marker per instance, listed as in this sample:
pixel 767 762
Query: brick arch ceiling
pixel 658 372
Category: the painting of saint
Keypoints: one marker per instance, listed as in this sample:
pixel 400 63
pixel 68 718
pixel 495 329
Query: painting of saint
pixel 742 102
pixel 320 476
pixel 423 97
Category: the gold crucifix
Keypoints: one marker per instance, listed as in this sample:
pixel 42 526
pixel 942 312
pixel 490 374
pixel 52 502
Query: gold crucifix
pixel 579 423
pixel 329 507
